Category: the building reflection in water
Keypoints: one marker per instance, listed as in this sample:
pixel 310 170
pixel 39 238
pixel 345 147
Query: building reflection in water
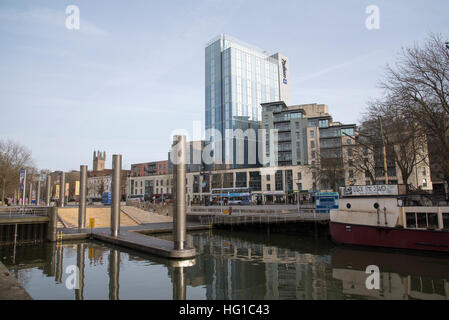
pixel 402 276
pixel 79 293
pixel 243 269
pixel 241 266
pixel 114 272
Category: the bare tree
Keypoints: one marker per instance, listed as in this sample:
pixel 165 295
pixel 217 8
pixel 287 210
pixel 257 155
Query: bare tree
pixel 329 169
pixel 404 137
pixel 13 157
pixel 364 152
pixel 101 188
pixel 418 84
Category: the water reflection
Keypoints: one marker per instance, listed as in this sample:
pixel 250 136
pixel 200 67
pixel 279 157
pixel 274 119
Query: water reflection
pixel 80 264
pixel 114 271
pixel 229 265
pixel 402 276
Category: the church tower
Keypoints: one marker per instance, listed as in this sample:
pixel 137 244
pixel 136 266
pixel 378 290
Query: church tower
pixel 99 161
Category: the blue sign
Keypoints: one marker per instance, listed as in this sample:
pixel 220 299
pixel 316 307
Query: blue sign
pixel 285 81
pixel 106 198
pixel 325 201
pixel 22 179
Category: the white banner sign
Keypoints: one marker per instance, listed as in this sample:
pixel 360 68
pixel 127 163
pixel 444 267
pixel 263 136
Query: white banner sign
pixel 374 190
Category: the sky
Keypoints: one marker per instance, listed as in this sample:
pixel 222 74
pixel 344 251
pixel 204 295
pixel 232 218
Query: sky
pixel 134 70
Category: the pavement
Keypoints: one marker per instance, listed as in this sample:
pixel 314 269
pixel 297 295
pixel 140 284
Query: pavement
pixel 10 289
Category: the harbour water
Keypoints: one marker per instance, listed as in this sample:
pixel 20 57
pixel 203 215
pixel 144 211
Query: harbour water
pixel 229 265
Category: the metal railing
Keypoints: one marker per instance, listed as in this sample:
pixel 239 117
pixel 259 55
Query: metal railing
pixel 254 210
pixel 273 218
pixel 24 210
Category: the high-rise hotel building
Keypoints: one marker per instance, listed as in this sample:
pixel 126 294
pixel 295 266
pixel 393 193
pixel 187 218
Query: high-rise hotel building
pixel 239 77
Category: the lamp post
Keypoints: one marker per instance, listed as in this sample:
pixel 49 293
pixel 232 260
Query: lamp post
pixel 298 192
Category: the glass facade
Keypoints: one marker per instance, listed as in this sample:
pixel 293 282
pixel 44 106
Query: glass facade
pixel 238 78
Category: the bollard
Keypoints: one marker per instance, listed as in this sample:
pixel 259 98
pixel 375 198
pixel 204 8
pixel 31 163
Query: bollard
pixel 52 224
pixel 38 195
pixel 24 189
pixel 62 189
pixel 179 177
pixel 82 197
pixel 115 209
pixel 48 197
pixel 30 193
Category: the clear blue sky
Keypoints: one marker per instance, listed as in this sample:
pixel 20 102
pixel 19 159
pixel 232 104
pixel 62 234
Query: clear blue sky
pixel 135 70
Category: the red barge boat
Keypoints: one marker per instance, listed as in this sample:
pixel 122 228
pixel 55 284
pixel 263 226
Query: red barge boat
pixel 375 216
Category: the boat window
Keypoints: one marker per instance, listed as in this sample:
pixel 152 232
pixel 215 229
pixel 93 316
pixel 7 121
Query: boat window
pixel 411 220
pixel 422 221
pixel 432 220
pixel 348 205
pixel 446 220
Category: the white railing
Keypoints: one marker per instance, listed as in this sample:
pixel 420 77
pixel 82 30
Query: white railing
pixel 236 218
pixel 24 210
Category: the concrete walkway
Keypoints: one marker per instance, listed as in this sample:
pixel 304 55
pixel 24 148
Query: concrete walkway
pixel 143 216
pixel 138 238
pixel 10 289
pixel 102 216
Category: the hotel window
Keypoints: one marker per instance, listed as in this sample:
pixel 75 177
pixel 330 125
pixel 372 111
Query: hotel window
pixel 268 187
pixel 312 133
pixel 278 180
pixel 297 124
pixel 349 152
pixel 323 123
pixel 312 144
pixel 347 132
pixel 299 176
pixel 268 177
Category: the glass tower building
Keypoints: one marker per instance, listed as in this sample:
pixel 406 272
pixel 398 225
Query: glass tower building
pixel 239 77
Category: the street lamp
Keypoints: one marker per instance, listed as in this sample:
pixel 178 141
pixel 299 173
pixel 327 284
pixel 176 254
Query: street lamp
pixel 298 192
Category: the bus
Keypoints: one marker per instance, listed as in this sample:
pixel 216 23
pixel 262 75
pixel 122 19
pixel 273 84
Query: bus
pixel 231 196
pixel 136 197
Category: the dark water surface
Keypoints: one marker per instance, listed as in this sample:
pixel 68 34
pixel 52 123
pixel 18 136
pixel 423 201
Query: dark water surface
pixel 230 265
